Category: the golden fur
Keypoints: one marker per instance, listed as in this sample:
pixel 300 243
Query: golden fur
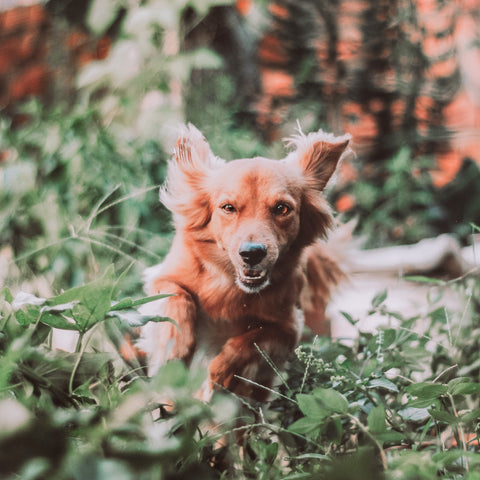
pixel 246 265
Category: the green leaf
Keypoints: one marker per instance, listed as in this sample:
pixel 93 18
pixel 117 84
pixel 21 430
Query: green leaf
pixel 383 383
pixel 414 414
pixel 390 437
pixel 92 301
pixel 331 400
pixel 472 416
pixel 463 386
pixel 271 452
pixel 376 420
pixel 379 298
pixel 443 416
pixel 6 294
pixel 27 316
pixel 426 390
pixel 58 321
pixel 304 426
pixel 422 402
pixel 128 303
pixel 349 318
pixel 311 407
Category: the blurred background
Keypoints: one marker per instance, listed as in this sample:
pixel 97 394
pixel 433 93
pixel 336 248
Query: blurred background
pixel 91 91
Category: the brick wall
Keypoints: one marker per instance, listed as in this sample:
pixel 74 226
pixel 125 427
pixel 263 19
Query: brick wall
pixel 367 91
pixel 40 55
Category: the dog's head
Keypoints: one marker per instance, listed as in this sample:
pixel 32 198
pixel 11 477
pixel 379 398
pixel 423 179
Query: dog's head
pixel 258 214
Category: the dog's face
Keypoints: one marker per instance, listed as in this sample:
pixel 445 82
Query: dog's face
pixel 255 216
pixel 259 213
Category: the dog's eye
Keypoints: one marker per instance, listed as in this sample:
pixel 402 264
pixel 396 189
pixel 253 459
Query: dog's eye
pixel 228 208
pixel 282 209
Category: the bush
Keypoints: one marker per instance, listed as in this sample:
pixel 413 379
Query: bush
pixel 397 403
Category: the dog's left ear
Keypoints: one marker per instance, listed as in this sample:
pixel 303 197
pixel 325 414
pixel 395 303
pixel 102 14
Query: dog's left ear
pixel 316 157
pixel 322 161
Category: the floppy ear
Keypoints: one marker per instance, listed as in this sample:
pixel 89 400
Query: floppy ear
pixel 185 192
pixel 316 157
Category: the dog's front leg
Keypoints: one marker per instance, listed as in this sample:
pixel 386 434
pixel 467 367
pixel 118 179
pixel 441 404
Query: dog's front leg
pixel 163 341
pixel 242 360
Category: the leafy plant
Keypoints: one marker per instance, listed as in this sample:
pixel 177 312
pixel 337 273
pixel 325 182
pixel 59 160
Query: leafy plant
pixel 395 205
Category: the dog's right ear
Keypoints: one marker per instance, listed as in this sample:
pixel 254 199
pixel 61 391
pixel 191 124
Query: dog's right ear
pixel 192 152
pixel 185 191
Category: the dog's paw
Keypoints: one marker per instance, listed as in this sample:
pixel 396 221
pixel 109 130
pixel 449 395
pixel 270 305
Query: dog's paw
pixel 222 372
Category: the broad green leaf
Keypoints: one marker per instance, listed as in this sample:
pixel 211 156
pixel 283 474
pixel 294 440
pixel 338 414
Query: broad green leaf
pixel 426 390
pixel 414 414
pixel 311 407
pixel 376 419
pixel 27 316
pixel 443 416
pixel 331 400
pixel 423 402
pixel 58 321
pixel 304 426
pixel 383 383
pixel 463 386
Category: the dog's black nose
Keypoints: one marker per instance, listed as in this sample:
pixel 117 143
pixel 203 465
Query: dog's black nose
pixel 252 253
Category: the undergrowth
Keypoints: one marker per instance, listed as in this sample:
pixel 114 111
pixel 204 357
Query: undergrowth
pixel 399 402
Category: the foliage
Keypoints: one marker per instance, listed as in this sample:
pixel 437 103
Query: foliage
pixel 396 205
pixel 139 85
pixel 397 202
pixel 72 190
pixel 399 402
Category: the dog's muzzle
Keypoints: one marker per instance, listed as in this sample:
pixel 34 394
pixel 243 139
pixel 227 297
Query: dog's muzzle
pixel 252 278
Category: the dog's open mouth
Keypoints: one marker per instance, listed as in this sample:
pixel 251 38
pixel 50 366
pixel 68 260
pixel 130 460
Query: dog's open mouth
pixel 252 281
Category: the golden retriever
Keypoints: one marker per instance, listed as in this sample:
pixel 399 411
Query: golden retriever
pixel 246 266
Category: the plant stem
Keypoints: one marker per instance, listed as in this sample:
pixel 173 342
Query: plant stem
pixel 79 349
pixel 365 430
pixel 460 431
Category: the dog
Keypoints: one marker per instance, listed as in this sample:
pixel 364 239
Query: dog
pixel 246 267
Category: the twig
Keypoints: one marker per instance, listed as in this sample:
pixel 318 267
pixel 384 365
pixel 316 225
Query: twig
pixel 445 371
